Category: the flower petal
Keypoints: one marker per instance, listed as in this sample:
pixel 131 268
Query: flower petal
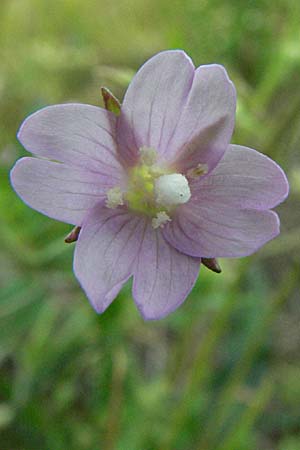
pixel 81 135
pixel 153 103
pixel 105 252
pixel 213 231
pixel 245 179
pixel 163 277
pixel 206 123
pixel 62 192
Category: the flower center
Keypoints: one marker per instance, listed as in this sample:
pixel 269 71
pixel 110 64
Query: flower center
pixel 152 190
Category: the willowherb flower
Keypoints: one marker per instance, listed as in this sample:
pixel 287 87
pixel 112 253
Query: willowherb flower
pixel 154 189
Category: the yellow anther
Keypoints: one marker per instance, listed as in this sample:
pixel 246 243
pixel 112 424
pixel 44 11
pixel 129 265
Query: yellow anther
pixel 198 171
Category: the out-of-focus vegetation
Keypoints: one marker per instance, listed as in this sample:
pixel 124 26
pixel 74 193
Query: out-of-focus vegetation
pixel 223 371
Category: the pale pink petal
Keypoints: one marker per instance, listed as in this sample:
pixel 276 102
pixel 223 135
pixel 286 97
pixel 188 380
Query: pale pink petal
pixel 204 129
pixel 81 135
pixel 245 179
pixel 213 231
pixel 105 252
pixel 153 103
pixel 163 277
pixel 62 192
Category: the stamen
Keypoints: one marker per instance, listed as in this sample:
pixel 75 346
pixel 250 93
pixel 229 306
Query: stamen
pixel 160 220
pixel 148 155
pixel 195 172
pixel 114 198
pixel 151 190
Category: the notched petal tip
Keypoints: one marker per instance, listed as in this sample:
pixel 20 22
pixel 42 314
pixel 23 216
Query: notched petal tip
pixel 14 174
pixel 26 126
pixel 273 232
pixel 158 314
pixel 179 53
pixel 19 132
pixel 99 302
pixel 284 183
pixel 150 315
pixel 221 70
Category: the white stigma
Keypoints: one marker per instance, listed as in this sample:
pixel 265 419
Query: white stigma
pixel 171 190
pixel 160 220
pixel 114 198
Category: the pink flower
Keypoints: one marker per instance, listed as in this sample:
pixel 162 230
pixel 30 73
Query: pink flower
pixel 156 188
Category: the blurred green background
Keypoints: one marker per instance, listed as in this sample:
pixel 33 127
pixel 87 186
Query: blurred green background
pixel 223 371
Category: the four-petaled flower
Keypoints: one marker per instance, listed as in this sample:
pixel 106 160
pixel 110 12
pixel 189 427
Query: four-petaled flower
pixel 155 189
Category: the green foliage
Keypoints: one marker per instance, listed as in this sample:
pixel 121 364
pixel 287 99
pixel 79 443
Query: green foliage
pixel 221 373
